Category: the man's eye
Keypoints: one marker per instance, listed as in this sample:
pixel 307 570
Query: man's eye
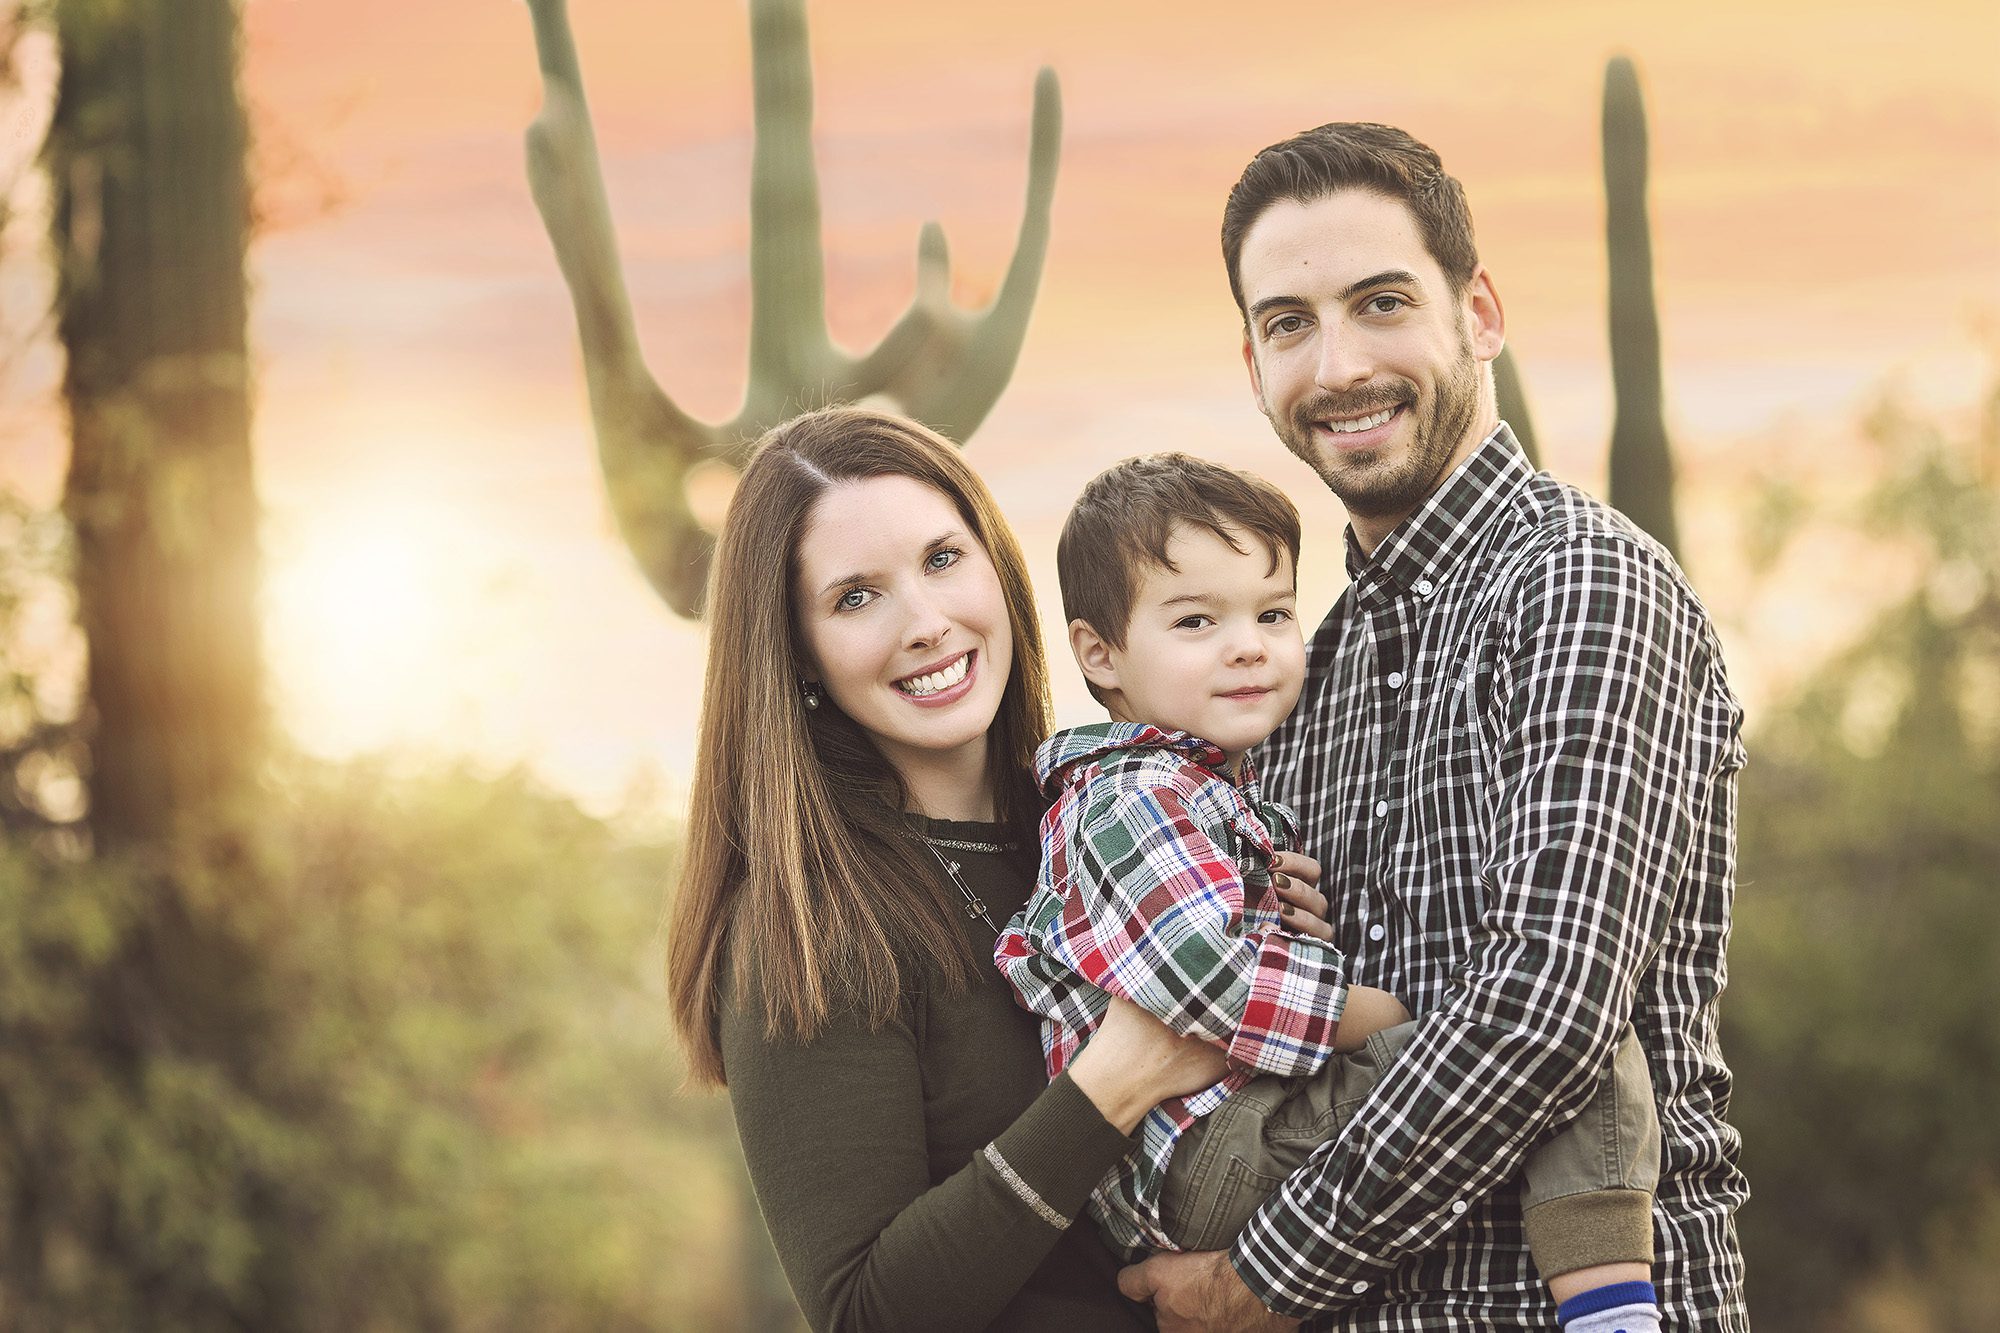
pixel 853 599
pixel 1284 326
pixel 1385 304
pixel 944 558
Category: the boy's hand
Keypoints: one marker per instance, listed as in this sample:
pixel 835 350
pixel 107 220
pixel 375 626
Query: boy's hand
pixel 1296 878
pixel 1368 1011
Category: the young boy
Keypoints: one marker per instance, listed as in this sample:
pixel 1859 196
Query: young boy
pixel 1179 583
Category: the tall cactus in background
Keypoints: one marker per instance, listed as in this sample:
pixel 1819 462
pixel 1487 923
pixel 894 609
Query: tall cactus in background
pixel 1642 466
pixel 940 364
pixel 1514 404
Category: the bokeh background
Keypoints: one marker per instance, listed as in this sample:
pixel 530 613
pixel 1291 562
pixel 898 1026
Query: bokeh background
pixel 382 1044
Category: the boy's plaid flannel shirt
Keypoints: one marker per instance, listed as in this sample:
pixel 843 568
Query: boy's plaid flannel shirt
pixel 1156 885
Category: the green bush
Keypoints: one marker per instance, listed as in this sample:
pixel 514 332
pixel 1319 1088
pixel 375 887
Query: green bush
pixel 400 1061
pixel 1865 971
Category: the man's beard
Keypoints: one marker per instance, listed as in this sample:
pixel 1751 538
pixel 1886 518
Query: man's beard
pixel 1370 485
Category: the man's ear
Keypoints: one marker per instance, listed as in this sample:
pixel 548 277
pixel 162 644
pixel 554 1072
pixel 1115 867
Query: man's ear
pixel 1093 655
pixel 1488 319
pixel 1256 380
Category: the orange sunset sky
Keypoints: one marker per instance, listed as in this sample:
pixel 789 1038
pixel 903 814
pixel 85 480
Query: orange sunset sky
pixel 442 573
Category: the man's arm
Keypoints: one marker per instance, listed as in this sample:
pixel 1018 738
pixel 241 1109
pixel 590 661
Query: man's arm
pixel 1594 703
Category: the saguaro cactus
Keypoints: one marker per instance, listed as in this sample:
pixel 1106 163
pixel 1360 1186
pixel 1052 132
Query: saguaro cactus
pixel 145 161
pixel 1514 404
pixel 1642 466
pixel 942 365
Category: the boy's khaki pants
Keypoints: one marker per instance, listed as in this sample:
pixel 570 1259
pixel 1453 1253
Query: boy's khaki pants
pixel 1587 1196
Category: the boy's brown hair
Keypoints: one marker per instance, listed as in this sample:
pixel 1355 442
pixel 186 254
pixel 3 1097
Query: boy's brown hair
pixel 1122 522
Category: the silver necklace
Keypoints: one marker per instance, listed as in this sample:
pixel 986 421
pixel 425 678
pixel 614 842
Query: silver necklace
pixel 974 906
pixel 967 844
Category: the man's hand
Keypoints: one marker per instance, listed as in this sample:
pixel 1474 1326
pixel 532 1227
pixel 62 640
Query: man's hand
pixel 1199 1293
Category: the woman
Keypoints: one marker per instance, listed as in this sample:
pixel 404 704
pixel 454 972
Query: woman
pixel 863 823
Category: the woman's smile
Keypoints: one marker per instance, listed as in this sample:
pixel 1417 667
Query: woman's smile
pixel 939 684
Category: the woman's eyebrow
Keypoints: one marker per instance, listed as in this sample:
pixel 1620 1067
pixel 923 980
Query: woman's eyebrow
pixel 869 576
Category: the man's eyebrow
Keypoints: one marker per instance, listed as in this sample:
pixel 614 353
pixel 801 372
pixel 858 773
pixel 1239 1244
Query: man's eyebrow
pixel 869 576
pixel 1393 277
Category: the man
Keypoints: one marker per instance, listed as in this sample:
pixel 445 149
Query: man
pixel 1515 757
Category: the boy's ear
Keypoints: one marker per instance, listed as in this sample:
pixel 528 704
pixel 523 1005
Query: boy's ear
pixel 1093 655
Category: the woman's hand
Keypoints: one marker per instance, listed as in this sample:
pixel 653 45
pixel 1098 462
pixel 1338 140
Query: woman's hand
pixel 1296 877
pixel 1133 1062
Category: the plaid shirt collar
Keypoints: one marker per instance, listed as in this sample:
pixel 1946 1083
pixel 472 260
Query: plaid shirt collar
pixel 1446 528
pixel 1067 749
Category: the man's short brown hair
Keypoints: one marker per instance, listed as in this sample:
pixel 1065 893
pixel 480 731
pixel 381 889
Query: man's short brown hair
pixel 1361 156
pixel 1125 518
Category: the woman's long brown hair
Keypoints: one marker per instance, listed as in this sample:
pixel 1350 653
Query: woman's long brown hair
pixel 799 872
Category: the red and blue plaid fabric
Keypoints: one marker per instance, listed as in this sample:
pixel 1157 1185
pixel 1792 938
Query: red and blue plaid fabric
pixel 1156 886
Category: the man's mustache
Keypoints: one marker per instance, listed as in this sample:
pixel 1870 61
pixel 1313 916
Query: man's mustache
pixel 1329 406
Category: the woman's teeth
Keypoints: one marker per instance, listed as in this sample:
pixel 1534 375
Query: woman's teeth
pixel 1361 423
pixel 943 679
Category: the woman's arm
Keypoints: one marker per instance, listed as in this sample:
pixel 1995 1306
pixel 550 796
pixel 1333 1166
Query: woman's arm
pixel 834 1135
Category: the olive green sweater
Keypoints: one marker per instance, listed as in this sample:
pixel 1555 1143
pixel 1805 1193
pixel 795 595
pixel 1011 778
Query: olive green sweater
pixel 924 1176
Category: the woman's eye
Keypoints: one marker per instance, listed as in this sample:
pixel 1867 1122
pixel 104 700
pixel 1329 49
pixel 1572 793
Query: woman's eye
pixel 853 599
pixel 943 559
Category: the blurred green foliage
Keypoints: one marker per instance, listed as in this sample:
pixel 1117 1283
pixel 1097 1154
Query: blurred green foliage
pixel 426 1085
pixel 1865 971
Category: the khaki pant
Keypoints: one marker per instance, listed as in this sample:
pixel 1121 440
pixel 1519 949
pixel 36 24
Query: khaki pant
pixel 1588 1196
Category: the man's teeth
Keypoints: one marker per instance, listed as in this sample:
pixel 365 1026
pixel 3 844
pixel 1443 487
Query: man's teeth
pixel 937 680
pixel 1360 423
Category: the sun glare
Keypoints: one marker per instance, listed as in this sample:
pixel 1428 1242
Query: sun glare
pixel 369 609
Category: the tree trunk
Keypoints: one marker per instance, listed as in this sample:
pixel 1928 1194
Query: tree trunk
pixel 151 220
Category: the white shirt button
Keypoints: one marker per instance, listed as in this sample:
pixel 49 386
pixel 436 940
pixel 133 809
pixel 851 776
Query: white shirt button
pixel 1375 932
pixel 1360 1287
pixel 1458 1205
pixel 1425 587
pixel 1381 808
pixel 1395 680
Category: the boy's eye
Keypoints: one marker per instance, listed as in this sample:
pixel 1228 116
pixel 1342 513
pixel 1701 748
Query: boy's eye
pixel 1277 615
pixel 943 558
pixel 1193 622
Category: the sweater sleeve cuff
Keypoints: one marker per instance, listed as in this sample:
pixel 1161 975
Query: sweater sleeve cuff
pixel 1059 1148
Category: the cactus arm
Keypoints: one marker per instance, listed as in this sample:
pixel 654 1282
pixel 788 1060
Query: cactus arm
pixel 947 367
pixel 791 356
pixel 1642 466
pixel 645 442
pixel 1514 404
pixel 940 364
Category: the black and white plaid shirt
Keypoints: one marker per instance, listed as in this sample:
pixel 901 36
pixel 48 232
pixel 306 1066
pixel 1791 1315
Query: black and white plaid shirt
pixel 1516 759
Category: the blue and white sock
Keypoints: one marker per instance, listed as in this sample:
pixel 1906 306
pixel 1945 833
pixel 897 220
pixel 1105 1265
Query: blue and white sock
pixel 1622 1307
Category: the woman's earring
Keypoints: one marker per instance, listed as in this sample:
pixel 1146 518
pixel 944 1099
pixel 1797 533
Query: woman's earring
pixel 809 692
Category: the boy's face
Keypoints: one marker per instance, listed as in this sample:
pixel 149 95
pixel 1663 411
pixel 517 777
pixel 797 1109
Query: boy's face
pixel 1213 647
